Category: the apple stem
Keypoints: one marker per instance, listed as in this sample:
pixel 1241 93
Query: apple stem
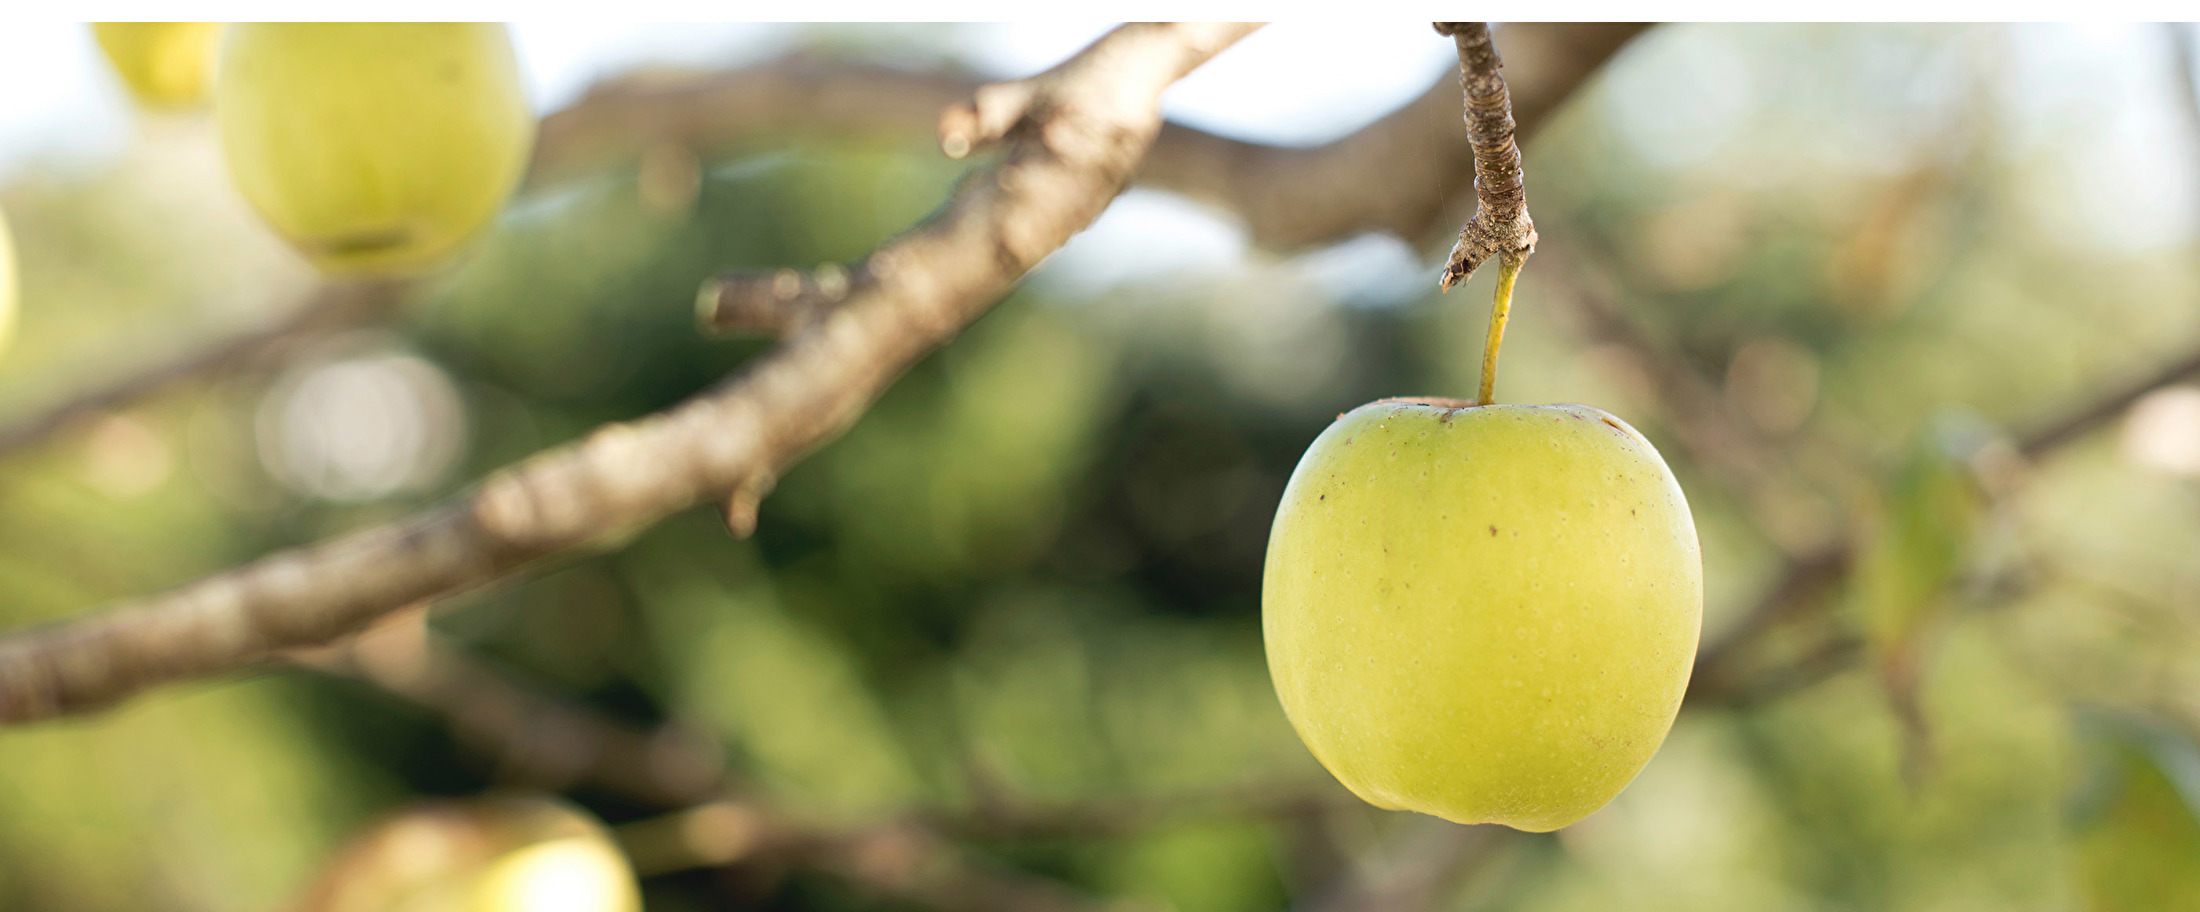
pixel 1508 269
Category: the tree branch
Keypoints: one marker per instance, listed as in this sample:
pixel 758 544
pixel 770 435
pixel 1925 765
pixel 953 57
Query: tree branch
pixel 2048 436
pixel 1500 227
pixel 776 305
pixel 1089 122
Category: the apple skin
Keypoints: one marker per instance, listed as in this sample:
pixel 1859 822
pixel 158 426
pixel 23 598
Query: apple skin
pixel 1488 614
pixel 163 64
pixel 374 148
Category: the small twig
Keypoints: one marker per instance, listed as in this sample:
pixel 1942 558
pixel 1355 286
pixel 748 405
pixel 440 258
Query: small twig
pixel 2052 435
pixel 742 505
pixel 1500 227
pixel 1076 153
pixel 776 303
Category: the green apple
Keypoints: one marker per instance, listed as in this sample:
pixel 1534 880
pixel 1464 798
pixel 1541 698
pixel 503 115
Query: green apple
pixel 1485 613
pixel 163 64
pixel 512 854
pixel 373 147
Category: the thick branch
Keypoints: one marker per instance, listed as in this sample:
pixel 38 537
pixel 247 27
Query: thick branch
pixel 772 304
pixel 1091 119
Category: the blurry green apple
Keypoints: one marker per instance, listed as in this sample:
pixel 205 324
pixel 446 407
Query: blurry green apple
pixel 164 64
pixel 1484 613
pixel 490 855
pixel 373 147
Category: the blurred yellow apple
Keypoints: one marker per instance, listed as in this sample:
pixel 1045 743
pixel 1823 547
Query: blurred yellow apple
pixel 164 64
pixel 1488 614
pixel 489 855
pixel 373 147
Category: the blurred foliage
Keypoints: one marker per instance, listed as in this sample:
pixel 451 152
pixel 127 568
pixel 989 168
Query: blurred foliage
pixel 1035 563
pixel 1917 530
pixel 2139 842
